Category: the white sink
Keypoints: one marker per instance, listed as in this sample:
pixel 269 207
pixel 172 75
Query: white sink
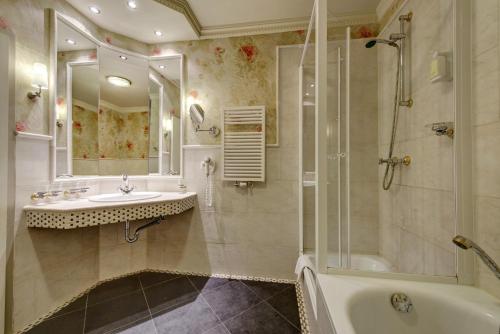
pixel 118 197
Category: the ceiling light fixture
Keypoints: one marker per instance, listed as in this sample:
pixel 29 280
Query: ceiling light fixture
pixel 70 41
pixel 132 4
pixel 158 33
pixel 123 57
pixel 95 9
pixel 162 66
pixel 118 81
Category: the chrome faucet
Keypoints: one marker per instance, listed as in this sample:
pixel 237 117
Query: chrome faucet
pixel 465 243
pixel 126 188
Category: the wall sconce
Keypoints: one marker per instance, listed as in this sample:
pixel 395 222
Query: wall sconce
pixel 167 126
pixel 59 118
pixel 39 80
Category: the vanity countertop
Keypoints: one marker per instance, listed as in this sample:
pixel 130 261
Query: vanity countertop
pixel 82 212
pixel 85 204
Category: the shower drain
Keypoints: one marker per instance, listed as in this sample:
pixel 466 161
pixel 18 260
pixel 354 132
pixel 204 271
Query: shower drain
pixel 401 302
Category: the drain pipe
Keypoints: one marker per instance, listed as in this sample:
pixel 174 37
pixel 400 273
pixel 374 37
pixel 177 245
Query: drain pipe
pixel 135 237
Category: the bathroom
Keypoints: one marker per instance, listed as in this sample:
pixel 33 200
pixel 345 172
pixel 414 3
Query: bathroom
pixel 209 166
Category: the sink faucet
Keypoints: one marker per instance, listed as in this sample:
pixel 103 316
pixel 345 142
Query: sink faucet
pixel 465 243
pixel 125 188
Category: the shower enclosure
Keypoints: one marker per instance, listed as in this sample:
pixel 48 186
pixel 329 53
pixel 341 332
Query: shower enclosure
pixel 379 190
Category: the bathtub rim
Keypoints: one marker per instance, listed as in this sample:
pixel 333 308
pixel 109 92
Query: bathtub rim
pixel 338 300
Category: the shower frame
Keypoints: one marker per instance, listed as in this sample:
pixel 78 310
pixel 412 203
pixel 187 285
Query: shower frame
pixel 462 148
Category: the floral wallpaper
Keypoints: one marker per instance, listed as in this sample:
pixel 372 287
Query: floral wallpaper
pixel 85 133
pixel 123 135
pixel 238 71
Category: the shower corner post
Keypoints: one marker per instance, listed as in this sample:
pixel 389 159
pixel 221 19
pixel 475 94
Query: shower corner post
pixel 462 146
pixel 321 64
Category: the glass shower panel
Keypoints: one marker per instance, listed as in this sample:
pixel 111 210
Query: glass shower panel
pixel 336 154
pixel 307 114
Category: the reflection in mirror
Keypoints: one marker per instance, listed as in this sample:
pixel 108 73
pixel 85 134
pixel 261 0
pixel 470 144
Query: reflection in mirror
pixel 84 102
pixel 197 115
pixel 123 114
pixel 116 111
pixel 76 80
pixel 165 74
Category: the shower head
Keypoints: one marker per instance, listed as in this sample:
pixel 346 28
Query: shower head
pixel 463 242
pixel 370 44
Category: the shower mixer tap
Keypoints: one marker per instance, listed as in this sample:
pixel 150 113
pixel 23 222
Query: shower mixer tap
pixel 395 161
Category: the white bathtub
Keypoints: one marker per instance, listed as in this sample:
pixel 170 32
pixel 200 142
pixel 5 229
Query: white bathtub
pixel 358 262
pixel 358 305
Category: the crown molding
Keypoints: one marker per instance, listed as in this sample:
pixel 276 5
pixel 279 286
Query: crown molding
pixel 276 26
pixel 183 7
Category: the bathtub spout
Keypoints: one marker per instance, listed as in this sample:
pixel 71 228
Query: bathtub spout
pixel 465 243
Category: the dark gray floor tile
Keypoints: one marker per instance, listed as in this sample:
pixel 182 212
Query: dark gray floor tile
pixel 260 319
pixel 78 304
pixel 266 289
pixel 285 303
pixel 231 299
pixel 116 313
pixel 205 284
pixel 151 278
pixel 219 329
pixel 191 317
pixel 113 289
pixel 170 293
pixel 143 326
pixel 64 324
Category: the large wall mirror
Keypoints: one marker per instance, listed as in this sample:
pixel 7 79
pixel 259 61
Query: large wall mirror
pixel 115 112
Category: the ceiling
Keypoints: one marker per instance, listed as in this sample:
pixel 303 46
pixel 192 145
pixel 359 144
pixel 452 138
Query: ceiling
pixel 85 84
pixel 139 23
pixel 64 32
pixel 134 69
pixel 212 13
pixel 150 15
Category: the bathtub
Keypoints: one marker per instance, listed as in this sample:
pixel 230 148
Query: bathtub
pixel 358 261
pixel 359 305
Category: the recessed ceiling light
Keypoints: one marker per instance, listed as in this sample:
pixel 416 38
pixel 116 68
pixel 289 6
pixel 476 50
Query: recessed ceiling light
pixel 312 85
pixel 123 57
pixel 118 81
pixel 132 4
pixel 158 33
pixel 70 41
pixel 95 9
pixel 162 66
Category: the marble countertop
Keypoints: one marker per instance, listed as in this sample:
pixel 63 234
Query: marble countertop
pixel 84 204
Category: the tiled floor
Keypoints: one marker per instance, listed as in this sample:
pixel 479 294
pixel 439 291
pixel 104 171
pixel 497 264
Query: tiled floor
pixel 161 303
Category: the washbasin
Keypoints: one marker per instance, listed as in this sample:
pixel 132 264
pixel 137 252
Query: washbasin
pixel 119 197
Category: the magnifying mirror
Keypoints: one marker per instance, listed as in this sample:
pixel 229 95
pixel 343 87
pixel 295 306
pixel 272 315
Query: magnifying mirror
pixel 197 115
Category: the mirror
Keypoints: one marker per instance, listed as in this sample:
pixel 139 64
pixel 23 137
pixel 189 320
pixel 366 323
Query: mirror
pixel 116 111
pixel 197 115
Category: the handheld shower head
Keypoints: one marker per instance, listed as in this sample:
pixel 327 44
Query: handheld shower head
pixel 370 44
pixel 465 244
pixel 462 242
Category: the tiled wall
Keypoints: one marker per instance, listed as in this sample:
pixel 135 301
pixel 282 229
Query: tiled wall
pixel 416 216
pixel 486 135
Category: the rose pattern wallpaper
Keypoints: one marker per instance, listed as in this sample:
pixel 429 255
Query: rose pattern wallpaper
pixel 123 135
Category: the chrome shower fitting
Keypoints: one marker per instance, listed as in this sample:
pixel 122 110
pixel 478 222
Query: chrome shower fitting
pixel 465 244
pixel 397 40
pixel 395 161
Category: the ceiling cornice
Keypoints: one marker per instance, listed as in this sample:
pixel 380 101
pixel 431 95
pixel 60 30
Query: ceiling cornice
pixel 183 7
pixel 262 27
pixel 276 26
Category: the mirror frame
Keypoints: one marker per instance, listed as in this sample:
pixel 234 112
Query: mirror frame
pixel 75 24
